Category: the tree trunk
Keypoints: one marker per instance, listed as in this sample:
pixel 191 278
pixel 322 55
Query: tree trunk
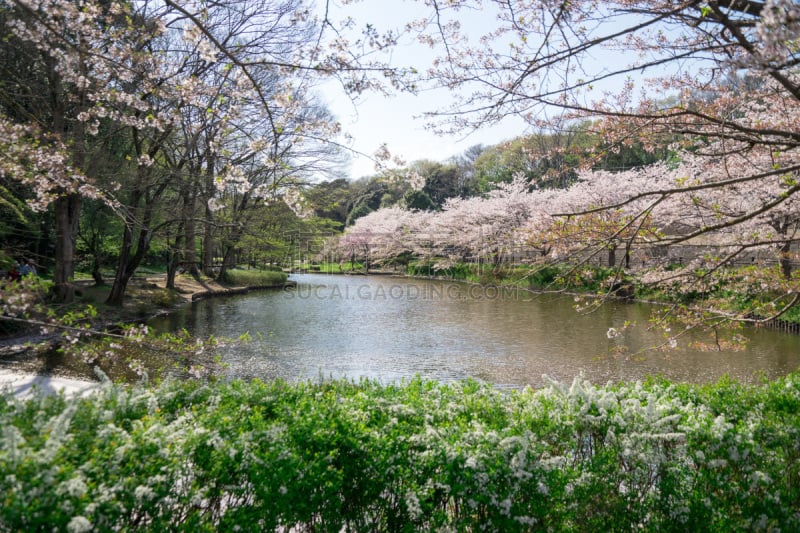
pixel 228 262
pixel 185 242
pixel 190 244
pixel 97 275
pixel 786 227
pixel 97 257
pixel 786 259
pixel 124 274
pixel 67 215
pixel 208 234
pixel 117 294
pixel 208 245
pixel 230 256
pixel 129 261
pixel 174 261
pixel 612 255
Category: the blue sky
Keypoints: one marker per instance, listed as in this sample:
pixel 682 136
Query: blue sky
pixel 395 120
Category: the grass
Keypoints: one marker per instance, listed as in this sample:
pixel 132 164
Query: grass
pixel 255 278
pixel 336 268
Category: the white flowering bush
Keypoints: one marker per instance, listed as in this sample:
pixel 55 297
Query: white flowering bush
pixel 333 456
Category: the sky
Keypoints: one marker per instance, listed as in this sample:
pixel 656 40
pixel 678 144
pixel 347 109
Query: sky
pixel 391 120
pixel 396 120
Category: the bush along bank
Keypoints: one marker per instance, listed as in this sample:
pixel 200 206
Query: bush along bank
pixel 243 281
pixel 589 280
pixel 729 293
pixel 415 456
pixel 256 278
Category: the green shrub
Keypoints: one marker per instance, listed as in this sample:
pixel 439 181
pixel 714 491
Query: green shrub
pixel 255 278
pixel 337 268
pixel 165 298
pixel 414 456
pixel 420 269
pixel 462 271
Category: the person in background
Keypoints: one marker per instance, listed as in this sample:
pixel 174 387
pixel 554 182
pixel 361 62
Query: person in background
pixel 13 272
pixel 28 268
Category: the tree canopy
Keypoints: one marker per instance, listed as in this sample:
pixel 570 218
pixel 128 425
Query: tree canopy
pixel 694 106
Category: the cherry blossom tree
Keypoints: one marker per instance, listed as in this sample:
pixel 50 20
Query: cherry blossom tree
pixel 272 173
pixel 718 81
pixel 243 115
pixel 481 229
pixel 170 86
pixel 383 235
pixel 70 53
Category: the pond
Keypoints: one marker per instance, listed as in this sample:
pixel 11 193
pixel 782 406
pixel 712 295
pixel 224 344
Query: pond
pixel 392 328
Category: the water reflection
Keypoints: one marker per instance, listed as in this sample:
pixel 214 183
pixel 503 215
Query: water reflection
pixel 393 328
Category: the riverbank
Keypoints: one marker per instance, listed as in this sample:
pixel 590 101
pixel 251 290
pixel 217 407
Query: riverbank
pixel 28 356
pixel 149 295
pixel 725 303
pixel 146 297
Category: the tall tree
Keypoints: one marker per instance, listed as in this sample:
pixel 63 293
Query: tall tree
pixel 329 199
pixel 58 61
pixel 76 70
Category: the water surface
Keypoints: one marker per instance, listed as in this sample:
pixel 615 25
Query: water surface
pixel 389 329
